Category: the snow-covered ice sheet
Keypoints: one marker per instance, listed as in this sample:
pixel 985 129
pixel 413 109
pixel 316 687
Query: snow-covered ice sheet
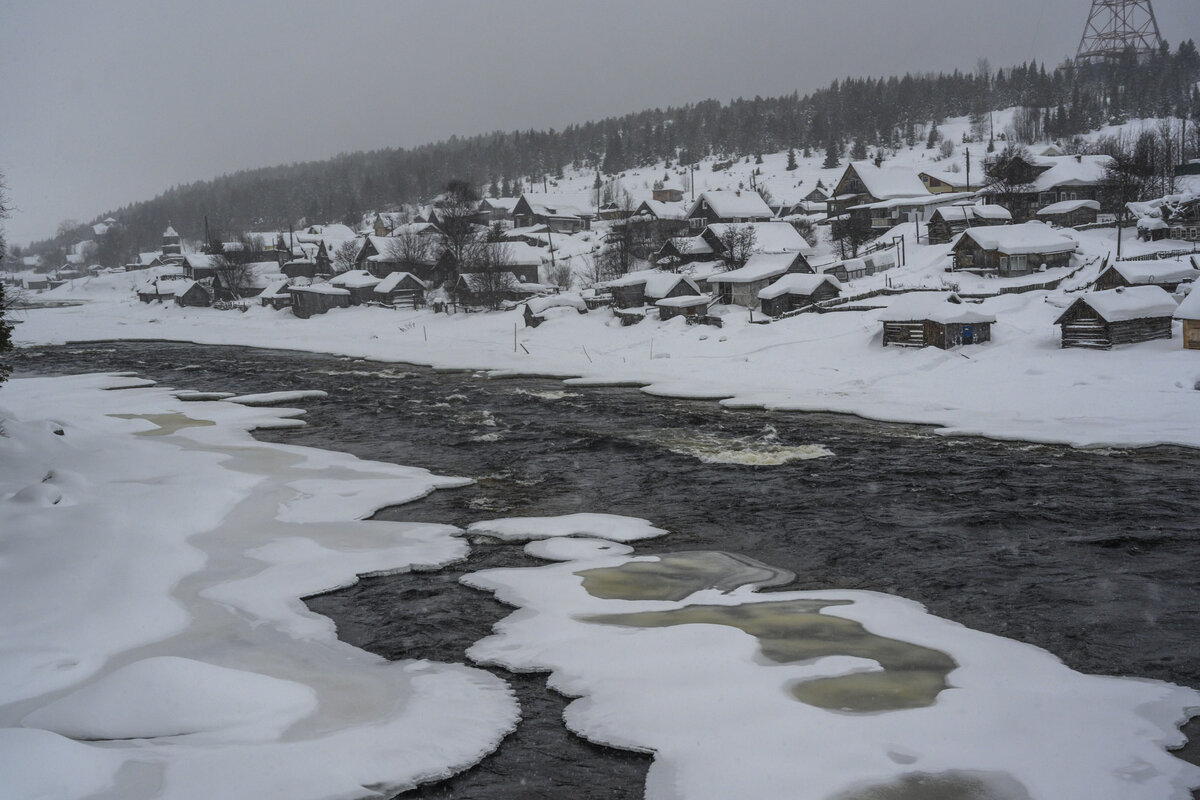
pixel 842 695
pixel 153 642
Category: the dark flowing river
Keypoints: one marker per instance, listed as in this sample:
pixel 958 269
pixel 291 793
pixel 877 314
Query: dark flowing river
pixel 1091 555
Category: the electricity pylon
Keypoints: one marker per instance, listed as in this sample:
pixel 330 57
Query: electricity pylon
pixel 1116 26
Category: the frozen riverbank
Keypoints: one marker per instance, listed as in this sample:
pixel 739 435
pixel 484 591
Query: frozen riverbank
pixel 152 638
pixel 1020 386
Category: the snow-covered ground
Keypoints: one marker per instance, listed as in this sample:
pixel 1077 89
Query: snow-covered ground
pixel 152 638
pixel 1021 385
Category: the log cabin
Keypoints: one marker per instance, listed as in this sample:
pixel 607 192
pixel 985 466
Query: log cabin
pixel 949 221
pixel 727 206
pixel 1009 250
pixel 797 290
pixel 1070 213
pixel 1103 320
pixel 1165 274
pixel 741 286
pixel 934 320
pixel 317 299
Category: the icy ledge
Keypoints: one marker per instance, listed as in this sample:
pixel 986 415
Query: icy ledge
pixel 830 695
pixel 152 639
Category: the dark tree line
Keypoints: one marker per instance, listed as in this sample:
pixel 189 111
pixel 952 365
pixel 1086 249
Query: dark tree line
pixel 881 112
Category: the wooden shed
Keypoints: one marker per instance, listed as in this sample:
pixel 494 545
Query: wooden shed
pixel 1165 274
pixel 1071 213
pixel 194 295
pixel 949 221
pixel 931 319
pixel 401 289
pixel 317 299
pixel 1117 316
pixel 276 296
pixel 1189 314
pixel 797 290
pixel 682 306
pixel 649 286
pixel 359 283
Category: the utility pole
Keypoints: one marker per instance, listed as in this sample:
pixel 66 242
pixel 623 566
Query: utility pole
pixel 968 152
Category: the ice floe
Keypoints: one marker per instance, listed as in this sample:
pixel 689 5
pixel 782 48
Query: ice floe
pixel 613 527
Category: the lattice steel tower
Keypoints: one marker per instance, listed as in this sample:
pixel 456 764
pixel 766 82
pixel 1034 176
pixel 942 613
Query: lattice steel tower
pixel 1115 26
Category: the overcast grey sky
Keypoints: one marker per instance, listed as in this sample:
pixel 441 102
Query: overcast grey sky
pixel 112 101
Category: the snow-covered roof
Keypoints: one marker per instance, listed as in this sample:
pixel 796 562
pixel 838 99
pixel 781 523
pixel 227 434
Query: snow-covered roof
pixel 663 283
pixel 200 261
pixel 413 228
pixel 769 237
pixel 521 254
pixel 636 278
pixel 278 288
pixel 1030 237
pixel 1190 307
pixel 354 279
pixel 797 283
pixel 1135 302
pixel 787 192
pixel 971 213
pixel 1152 272
pixel 392 280
pixel 885 183
pixel 759 267
pixel 692 245
pixel 1069 171
pixel 945 198
pixel 506 203
pixel 560 204
pixel 1067 206
pixel 951 178
pixel 478 281
pixel 684 301
pixel 170 231
pixel 935 307
pixel 538 305
pixel 319 288
pixel 664 210
pixel 734 204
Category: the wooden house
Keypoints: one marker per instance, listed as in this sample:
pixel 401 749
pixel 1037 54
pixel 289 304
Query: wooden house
pixel 664 219
pixel 300 268
pixel 1183 218
pixel 882 216
pixel 864 182
pixel 683 250
pixel 401 289
pixel 496 209
pixel 317 298
pixel 851 269
pixel 199 266
pixel 713 207
pixel 1008 250
pixel 1117 316
pixel 931 319
pixel 1039 181
pixel 797 290
pixel 481 289
pixel 1070 213
pixel 1189 314
pixel 943 182
pixel 682 306
pixel 669 192
pixel 359 283
pixel 769 237
pixel 1165 274
pixel 948 222
pixel 741 286
pixel 561 213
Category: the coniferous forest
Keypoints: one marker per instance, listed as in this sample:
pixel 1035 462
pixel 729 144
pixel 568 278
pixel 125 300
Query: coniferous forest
pixel 1058 103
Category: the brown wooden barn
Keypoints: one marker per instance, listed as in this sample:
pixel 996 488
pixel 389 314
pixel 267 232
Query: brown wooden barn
pixel 194 295
pixel 401 289
pixel 317 299
pixel 359 283
pixel 930 319
pixel 649 286
pixel 797 290
pixel 1117 316
pixel 1165 274
pixel 682 306
pixel 276 296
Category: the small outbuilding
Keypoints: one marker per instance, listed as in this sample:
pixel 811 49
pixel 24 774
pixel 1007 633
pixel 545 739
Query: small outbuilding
pixel 300 268
pixel 682 306
pixel 276 296
pixel 649 286
pixel 1105 319
pixel 317 299
pixel 401 289
pixel 933 319
pixel 949 221
pixel 1165 274
pixel 537 309
pixel 359 283
pixel 1071 213
pixel 1189 314
pixel 192 295
pixel 797 290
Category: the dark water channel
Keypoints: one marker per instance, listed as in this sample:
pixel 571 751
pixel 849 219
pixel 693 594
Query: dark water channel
pixel 1091 555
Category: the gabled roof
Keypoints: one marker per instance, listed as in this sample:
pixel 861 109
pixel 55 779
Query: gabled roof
pixel 759 267
pixel 974 213
pixel 1069 171
pixel 1153 272
pixel 885 183
pixel 1030 237
pixel 391 281
pixel 935 307
pixel 1190 307
pixel 354 279
pixel 662 210
pixel 559 205
pixel 802 283
pixel 505 203
pixel 662 284
pixel 1067 206
pixel 769 237
pixel 733 204
pixel 1122 305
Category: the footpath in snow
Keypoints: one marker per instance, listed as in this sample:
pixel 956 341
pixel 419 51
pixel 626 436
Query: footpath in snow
pixel 152 638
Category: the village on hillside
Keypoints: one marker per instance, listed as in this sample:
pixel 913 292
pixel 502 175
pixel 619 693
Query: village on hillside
pixel 928 234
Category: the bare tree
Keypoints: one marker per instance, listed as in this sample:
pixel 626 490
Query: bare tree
pixel 413 251
pixel 491 277
pixel 456 211
pixel 5 301
pixel 1010 178
pixel 737 243
pixel 231 274
pixel 344 255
